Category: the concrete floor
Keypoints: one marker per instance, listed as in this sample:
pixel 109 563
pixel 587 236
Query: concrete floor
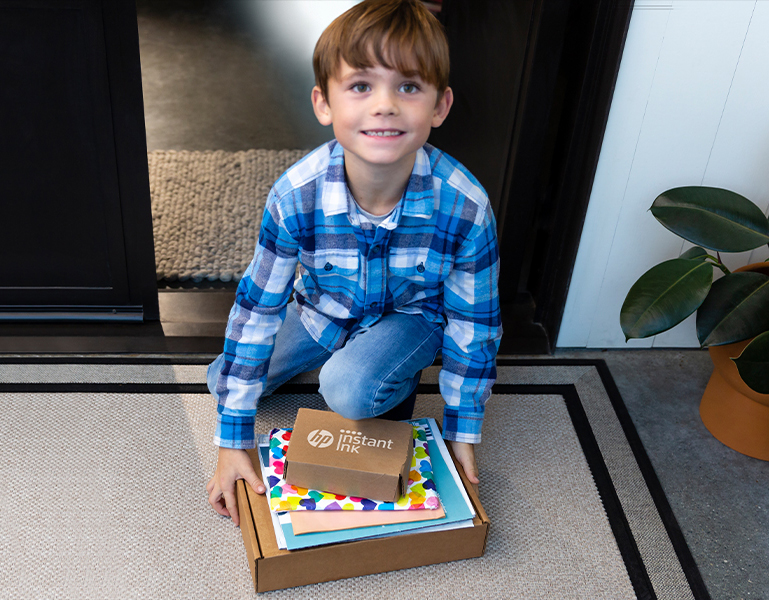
pixel 720 497
pixel 233 75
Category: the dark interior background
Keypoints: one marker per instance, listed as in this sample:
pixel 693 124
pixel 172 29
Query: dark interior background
pixel 532 80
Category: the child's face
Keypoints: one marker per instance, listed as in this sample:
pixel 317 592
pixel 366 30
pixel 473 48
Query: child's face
pixel 380 116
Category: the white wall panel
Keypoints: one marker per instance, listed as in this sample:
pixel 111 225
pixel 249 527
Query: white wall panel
pixel 631 93
pixel 694 109
pixel 740 157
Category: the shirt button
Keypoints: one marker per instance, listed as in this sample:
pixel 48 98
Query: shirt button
pixel 421 268
pixel 374 249
pixel 328 267
pixel 372 305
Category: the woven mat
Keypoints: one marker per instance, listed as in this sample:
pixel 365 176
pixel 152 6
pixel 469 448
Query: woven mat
pixel 207 208
pixel 104 465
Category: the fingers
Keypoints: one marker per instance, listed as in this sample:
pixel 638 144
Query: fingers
pixel 232 506
pixel 218 504
pixel 225 502
pixel 471 470
pixel 465 454
pixel 231 466
pixel 215 497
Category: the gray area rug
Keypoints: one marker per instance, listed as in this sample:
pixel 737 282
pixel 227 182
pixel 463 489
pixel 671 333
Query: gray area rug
pixel 207 208
pixel 104 465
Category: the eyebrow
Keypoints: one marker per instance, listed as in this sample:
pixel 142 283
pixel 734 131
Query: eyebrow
pixel 358 73
pixel 363 73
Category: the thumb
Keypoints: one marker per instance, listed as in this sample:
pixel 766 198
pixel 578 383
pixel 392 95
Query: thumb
pixel 471 470
pixel 465 455
pixel 256 484
pixel 253 479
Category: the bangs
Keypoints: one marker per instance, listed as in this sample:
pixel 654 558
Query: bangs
pixel 399 50
pixel 401 35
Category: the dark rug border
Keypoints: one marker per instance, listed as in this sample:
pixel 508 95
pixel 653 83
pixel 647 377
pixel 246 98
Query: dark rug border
pixel 685 557
pixel 617 519
pixel 618 522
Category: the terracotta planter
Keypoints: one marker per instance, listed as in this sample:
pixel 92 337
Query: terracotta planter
pixel 736 415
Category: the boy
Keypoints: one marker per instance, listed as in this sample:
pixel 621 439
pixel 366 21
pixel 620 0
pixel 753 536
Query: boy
pixel 396 245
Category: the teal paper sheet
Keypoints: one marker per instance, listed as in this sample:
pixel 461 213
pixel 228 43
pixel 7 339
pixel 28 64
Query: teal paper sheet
pixel 452 499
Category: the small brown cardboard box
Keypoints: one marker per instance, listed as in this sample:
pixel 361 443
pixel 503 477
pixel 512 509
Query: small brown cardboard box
pixel 370 458
pixel 275 569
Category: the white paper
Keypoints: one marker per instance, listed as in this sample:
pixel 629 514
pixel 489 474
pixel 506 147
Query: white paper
pixel 263 441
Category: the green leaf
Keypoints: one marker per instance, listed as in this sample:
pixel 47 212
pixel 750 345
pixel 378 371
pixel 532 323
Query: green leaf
pixel 695 253
pixel 713 218
pixel 736 309
pixel 664 296
pixel 753 364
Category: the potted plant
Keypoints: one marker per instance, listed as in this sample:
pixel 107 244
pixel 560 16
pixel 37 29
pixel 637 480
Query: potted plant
pixel 732 311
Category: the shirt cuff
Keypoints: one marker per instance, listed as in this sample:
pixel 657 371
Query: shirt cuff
pixel 462 425
pixel 235 432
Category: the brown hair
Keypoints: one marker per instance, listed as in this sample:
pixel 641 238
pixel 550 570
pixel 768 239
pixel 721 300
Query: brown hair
pixel 397 34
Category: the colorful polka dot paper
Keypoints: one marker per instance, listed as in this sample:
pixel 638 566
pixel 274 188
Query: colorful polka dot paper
pixel 420 492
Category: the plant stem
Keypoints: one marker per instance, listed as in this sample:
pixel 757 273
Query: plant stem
pixel 717 263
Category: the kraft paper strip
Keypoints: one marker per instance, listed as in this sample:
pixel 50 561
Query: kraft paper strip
pixel 311 521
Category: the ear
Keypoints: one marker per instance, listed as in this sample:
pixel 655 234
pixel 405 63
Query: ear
pixel 321 107
pixel 442 108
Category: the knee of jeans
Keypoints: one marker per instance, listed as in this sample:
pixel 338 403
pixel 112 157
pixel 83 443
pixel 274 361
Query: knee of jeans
pixel 346 395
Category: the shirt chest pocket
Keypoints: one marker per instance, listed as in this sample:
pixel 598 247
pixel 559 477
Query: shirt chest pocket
pixel 421 265
pixel 327 264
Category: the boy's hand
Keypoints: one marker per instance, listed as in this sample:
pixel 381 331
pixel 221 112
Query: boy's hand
pixel 232 465
pixel 465 454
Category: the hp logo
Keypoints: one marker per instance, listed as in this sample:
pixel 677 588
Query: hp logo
pixel 320 438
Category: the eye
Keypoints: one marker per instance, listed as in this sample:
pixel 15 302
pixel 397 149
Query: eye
pixel 409 88
pixel 360 87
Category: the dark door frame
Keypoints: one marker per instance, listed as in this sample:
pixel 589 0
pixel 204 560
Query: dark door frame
pixel 560 177
pixel 556 63
pixel 122 44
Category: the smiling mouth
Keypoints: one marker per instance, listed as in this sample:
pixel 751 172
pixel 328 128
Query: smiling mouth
pixel 383 133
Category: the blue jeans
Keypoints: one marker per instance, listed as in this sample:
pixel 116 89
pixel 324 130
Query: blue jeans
pixel 376 369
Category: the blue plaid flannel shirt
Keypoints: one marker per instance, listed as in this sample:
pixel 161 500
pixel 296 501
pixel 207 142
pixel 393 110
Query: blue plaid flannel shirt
pixel 439 258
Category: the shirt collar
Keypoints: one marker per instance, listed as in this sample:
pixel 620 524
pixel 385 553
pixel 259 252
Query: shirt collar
pixel 418 200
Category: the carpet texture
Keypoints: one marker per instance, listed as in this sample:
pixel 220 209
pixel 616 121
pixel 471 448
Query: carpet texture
pixel 104 467
pixel 207 208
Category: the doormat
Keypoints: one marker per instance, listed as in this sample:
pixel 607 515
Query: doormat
pixel 207 209
pixel 104 463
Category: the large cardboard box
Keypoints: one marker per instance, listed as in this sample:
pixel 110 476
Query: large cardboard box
pixel 370 458
pixel 274 569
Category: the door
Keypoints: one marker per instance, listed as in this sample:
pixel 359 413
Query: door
pixel 75 229
pixel 533 82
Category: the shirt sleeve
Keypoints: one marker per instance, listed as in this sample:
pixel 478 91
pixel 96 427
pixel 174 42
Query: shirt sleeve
pixel 256 316
pixel 472 334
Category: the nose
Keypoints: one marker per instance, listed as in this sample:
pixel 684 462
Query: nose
pixel 384 103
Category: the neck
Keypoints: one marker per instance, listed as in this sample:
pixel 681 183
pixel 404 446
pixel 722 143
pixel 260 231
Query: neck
pixel 377 190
